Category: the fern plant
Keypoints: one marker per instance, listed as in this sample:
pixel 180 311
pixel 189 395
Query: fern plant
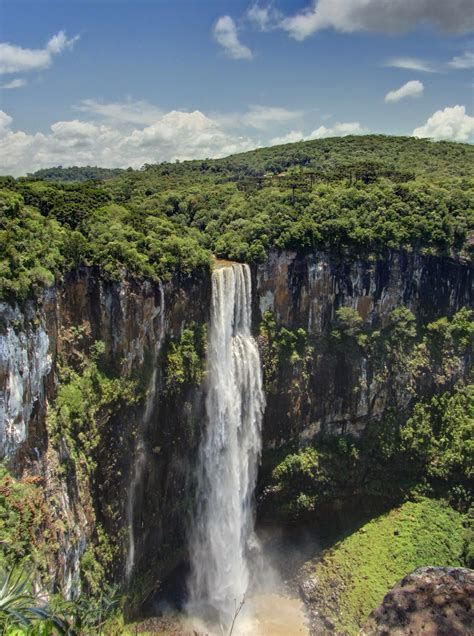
pixel 19 608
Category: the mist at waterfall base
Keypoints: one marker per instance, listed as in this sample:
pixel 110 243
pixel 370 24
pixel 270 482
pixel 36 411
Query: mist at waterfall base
pixel 228 569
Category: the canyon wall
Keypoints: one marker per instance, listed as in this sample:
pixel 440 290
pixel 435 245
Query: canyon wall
pixel 136 321
pixel 144 458
pixel 337 386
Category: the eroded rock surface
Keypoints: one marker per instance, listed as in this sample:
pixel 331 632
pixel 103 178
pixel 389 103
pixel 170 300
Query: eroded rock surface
pixel 432 601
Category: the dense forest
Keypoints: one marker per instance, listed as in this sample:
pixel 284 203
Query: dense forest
pixel 361 198
pixel 74 173
pixel 358 194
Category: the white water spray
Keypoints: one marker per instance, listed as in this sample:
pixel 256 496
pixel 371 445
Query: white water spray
pixel 140 452
pixel 223 528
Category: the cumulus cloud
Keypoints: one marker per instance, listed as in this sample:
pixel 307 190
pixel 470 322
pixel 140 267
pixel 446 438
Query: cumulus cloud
pixel 262 117
pixel 289 138
pixel 15 59
pixel 128 112
pixel 59 42
pixel 225 33
pixel 5 120
pixel 339 130
pixel 383 16
pixel 452 123
pixel 136 112
pixel 411 64
pixel 463 61
pixel 413 88
pixel 15 83
pixel 264 18
pixel 173 135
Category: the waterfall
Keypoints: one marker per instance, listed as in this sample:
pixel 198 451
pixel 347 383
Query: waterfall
pixel 139 462
pixel 223 525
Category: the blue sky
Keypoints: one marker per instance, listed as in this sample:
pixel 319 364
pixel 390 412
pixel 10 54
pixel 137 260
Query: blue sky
pixel 122 82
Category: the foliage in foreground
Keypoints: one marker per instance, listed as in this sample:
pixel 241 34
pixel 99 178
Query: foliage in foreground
pixel 20 612
pixel 23 613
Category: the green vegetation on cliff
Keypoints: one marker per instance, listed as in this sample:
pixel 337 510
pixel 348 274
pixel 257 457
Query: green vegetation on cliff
pixel 185 359
pixel 353 577
pixel 426 449
pixel 357 194
pixel 27 527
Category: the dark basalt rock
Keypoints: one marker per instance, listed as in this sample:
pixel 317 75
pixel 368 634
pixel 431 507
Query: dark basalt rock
pixel 432 601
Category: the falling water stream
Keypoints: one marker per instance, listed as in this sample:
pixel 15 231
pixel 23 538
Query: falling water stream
pixel 227 564
pixel 223 527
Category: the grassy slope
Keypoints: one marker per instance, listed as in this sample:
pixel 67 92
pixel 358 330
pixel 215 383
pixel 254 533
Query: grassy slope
pixel 354 576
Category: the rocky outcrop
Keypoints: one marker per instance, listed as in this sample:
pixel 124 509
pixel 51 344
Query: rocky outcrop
pixel 24 363
pixel 432 601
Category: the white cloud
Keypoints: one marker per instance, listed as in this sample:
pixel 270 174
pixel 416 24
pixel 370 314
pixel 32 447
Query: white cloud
pixel 339 130
pixel 289 138
pixel 413 88
pixel 59 42
pixel 117 135
pixel 15 83
pixel 175 135
pixel 463 61
pixel 128 112
pixel 135 132
pixel 262 117
pixel 15 59
pixel 452 123
pixel 131 112
pixel 385 16
pixel 264 18
pixel 225 33
pixel 411 63
pixel 75 130
pixel 5 120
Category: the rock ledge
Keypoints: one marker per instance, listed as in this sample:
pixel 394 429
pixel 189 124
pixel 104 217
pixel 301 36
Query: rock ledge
pixel 432 601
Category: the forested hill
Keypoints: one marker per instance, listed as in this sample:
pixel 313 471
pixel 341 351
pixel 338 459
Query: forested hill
pixel 335 157
pixel 74 174
pixel 331 157
pixel 363 195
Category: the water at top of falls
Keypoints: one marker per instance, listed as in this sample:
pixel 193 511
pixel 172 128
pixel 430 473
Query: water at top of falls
pixel 222 532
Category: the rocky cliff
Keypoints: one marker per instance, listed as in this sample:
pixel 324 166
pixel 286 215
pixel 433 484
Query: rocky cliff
pixel 138 487
pixel 339 385
pixel 139 468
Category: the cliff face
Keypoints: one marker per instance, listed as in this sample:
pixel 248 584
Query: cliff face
pixel 305 290
pixel 135 321
pixel 24 363
pixel 341 388
pixel 141 487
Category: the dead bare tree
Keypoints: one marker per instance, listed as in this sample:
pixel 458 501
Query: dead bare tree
pixel 236 613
